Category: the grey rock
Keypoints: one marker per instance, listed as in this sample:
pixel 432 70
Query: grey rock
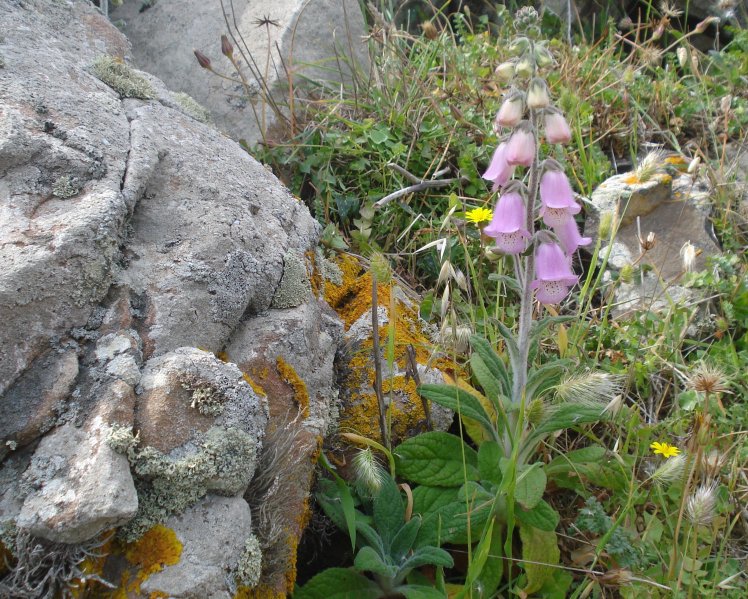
pixel 302 38
pixel 78 486
pixel 213 534
pixel 30 407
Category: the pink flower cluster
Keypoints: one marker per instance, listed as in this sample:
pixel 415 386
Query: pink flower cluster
pixel 510 226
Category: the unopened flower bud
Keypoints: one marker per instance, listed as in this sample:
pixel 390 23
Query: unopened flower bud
pixel 682 55
pixel 556 128
pixel 694 166
pixel 658 33
pixel 226 48
pixel 725 103
pixel 605 226
pixel 543 57
pixel 703 25
pixel 520 149
pixel 511 111
pixel 505 71
pixel 537 95
pixel 524 68
pixel 518 46
pixel 202 60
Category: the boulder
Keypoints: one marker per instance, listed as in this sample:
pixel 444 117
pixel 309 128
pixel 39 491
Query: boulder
pixel 274 42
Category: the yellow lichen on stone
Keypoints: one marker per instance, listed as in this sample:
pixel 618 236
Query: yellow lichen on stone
pixel 256 387
pixel 301 395
pixel 157 548
pixel 262 591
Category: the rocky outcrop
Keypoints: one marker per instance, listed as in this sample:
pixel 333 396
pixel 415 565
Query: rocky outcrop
pixel 274 43
pixel 139 246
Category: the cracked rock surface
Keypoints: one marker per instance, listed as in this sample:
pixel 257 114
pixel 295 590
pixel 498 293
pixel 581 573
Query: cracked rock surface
pixel 136 245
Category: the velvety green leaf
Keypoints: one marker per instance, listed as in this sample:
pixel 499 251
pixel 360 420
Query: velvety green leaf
pixel 428 500
pixel 542 516
pixel 349 510
pixel 511 344
pixel 404 539
pixel 529 485
pixel 562 417
pixel 412 591
pixel 427 556
pixel 449 524
pixel 338 583
pixel 436 459
pixel 459 401
pixel 370 537
pixel 543 378
pixel 389 511
pixel 368 560
pixel 492 363
pixel 539 547
pixel 489 454
pixel 490 576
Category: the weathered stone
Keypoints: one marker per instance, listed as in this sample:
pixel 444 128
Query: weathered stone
pixel 213 534
pixel 188 391
pixel 78 486
pixel 31 405
pixel 308 35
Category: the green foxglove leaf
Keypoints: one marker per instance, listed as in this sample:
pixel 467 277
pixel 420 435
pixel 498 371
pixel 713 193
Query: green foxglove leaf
pixel 542 516
pixel 529 485
pixel 404 539
pixel 491 363
pixel 338 583
pixel 413 591
pixel 389 511
pixel 368 560
pixel 539 547
pixel 426 556
pixel 428 500
pixel 436 459
pixel 459 401
pixel 489 454
pixel 480 556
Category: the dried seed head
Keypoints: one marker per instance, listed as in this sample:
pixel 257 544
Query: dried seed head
pixel 590 388
pixel 380 267
pixel 649 166
pixel 616 578
pixel 688 255
pixel 606 225
pixel 703 25
pixel 682 55
pixel 535 411
pixel 429 30
pixel 456 336
pixel 701 506
pixel 708 378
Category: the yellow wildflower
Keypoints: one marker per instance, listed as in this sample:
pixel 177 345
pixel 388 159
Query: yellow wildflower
pixel 664 449
pixel 479 215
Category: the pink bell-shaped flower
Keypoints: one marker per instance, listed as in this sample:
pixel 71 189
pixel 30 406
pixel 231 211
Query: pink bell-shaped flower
pixel 510 113
pixel 553 274
pixel 556 128
pixel 568 235
pixel 509 224
pixel 557 198
pixel 520 149
pixel 499 171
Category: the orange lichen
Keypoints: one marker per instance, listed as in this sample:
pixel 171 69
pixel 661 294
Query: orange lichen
pixel 158 595
pixel 92 566
pixel 261 591
pixel 256 387
pixel 156 549
pixel 634 179
pixel 300 392
pixel 222 356
pixel 313 272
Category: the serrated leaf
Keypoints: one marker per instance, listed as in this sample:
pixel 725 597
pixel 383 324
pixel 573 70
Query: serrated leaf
pixel 338 583
pixel 539 548
pixel 460 401
pixel 368 560
pixel 542 516
pixel 389 511
pixel 489 454
pixel 436 459
pixel 530 486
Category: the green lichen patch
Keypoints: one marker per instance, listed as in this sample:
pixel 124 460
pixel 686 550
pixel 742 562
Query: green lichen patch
pixel 249 566
pixel 121 78
pixel 295 287
pixel 191 107
pixel 221 461
pixel 205 399
pixel 328 269
pixel 66 187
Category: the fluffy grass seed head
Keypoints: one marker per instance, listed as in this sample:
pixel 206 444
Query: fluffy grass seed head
pixel 591 388
pixel 649 166
pixel 669 471
pixel 701 506
pixel 708 378
pixel 369 472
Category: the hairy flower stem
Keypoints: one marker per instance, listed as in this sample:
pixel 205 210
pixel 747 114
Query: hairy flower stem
pixel 519 370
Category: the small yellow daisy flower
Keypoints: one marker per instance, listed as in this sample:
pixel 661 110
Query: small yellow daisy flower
pixel 479 215
pixel 664 449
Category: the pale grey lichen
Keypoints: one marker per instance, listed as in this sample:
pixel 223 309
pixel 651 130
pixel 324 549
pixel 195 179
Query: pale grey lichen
pixel 122 79
pixel 221 461
pixel 294 287
pixel 328 269
pixel 192 107
pixel 66 187
pixel 249 566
